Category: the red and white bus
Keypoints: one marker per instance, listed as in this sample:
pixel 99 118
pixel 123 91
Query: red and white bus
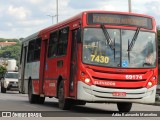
pixel 96 56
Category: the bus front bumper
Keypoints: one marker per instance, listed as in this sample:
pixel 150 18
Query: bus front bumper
pixel 105 95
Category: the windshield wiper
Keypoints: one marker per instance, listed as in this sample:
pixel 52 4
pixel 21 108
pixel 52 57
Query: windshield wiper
pixel 108 38
pixel 147 64
pixel 130 45
pixel 134 39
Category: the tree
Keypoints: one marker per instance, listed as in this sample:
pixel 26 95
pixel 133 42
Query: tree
pixel 2 70
pixel 11 52
pixel 9 40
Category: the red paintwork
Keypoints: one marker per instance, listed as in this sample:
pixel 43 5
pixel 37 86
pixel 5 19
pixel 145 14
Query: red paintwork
pixel 50 87
pixel 48 76
pixel 36 86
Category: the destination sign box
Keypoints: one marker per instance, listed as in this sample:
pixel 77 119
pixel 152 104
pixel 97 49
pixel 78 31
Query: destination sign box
pixel 119 19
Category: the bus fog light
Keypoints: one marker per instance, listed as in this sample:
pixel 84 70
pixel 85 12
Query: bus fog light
pixel 87 80
pixel 149 83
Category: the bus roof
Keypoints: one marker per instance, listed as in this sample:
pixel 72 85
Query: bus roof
pixel 79 16
pixel 117 12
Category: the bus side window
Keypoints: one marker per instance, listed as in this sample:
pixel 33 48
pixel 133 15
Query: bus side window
pixel 53 43
pixel 21 53
pixel 37 49
pixel 30 56
pixel 63 41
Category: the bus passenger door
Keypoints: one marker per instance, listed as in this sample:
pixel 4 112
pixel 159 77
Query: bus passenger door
pixel 22 70
pixel 43 66
pixel 73 64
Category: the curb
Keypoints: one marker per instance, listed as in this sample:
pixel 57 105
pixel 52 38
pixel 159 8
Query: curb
pixel 157 103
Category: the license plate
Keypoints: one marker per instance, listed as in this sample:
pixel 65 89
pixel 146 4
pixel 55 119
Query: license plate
pixel 121 94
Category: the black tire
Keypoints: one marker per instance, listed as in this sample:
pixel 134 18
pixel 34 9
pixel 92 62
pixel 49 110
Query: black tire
pixel 124 107
pixel 64 104
pixel 79 103
pixel 41 100
pixel 3 90
pixel 32 98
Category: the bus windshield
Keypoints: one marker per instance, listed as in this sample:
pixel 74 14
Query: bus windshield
pixel 97 51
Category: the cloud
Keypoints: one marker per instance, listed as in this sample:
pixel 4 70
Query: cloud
pixel 36 1
pixel 18 12
pixel 154 10
pixel 83 4
pixel 153 7
pixel 32 23
pixel 21 18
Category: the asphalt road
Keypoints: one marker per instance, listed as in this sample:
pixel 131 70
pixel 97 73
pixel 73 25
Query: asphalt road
pixel 13 101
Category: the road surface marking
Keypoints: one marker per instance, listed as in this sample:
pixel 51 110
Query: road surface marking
pixel 87 118
pixel 31 106
pixel 2 99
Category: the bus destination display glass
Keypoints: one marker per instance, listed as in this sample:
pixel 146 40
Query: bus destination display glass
pixel 119 19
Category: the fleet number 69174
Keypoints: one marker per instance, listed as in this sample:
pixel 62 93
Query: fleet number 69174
pixel 134 77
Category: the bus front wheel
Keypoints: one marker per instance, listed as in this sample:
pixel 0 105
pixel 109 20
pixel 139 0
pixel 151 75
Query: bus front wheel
pixel 124 107
pixel 41 100
pixel 64 103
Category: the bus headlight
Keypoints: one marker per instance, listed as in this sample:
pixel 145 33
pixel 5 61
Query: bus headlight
pixel 152 82
pixel 84 77
pixel 87 80
pixel 149 84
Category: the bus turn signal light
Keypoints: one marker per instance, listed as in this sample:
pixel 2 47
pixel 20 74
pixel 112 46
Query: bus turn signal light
pixel 152 82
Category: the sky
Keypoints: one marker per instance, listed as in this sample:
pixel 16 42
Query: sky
pixel 21 18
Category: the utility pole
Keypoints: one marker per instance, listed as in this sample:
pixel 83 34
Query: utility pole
pixel 52 16
pixel 57 11
pixel 129 5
